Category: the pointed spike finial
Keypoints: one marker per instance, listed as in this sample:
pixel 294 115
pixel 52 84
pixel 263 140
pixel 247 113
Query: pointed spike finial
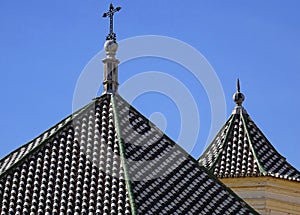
pixel 238 85
pixel 238 97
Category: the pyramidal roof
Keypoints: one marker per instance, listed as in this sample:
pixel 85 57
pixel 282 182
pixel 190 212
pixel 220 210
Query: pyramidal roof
pixel 108 159
pixel 241 149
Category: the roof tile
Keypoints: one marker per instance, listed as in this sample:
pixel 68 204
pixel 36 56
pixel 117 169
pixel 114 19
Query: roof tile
pixel 109 159
pixel 240 149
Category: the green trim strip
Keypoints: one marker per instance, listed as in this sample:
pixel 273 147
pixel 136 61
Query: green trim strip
pixel 231 119
pixel 251 146
pixel 207 149
pixel 122 153
pixel 212 176
pixel 178 147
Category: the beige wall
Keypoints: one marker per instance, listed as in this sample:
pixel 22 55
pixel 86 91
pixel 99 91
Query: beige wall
pixel 267 195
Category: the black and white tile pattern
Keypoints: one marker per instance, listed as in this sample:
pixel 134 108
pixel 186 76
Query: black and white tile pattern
pixel 109 159
pixel 240 149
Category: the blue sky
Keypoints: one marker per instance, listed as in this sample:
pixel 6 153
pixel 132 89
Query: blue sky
pixel 44 46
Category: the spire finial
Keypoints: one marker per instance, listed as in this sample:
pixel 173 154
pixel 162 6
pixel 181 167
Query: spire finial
pixel 110 82
pixel 110 13
pixel 238 97
pixel 238 88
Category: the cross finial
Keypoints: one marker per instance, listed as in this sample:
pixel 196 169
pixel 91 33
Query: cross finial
pixel 110 13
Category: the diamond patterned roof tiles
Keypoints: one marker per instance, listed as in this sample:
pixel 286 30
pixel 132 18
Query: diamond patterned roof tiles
pixel 241 149
pixel 109 159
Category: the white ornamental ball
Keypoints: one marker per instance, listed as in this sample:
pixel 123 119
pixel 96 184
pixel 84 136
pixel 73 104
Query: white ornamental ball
pixel 111 46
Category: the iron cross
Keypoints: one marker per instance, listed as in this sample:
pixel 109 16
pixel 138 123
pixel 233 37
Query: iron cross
pixel 110 13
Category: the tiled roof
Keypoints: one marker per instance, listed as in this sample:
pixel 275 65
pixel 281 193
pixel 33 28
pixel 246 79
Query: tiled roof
pixel 241 149
pixel 109 159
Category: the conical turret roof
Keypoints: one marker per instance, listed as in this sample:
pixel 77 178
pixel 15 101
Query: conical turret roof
pixel 241 149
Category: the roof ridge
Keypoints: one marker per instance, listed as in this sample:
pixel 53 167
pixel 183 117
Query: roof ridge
pixel 165 135
pixel 186 154
pixel 121 145
pixel 273 148
pixel 266 159
pixel 46 135
pixel 261 168
pixel 229 122
pixel 231 119
pixel 145 182
pixel 207 148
